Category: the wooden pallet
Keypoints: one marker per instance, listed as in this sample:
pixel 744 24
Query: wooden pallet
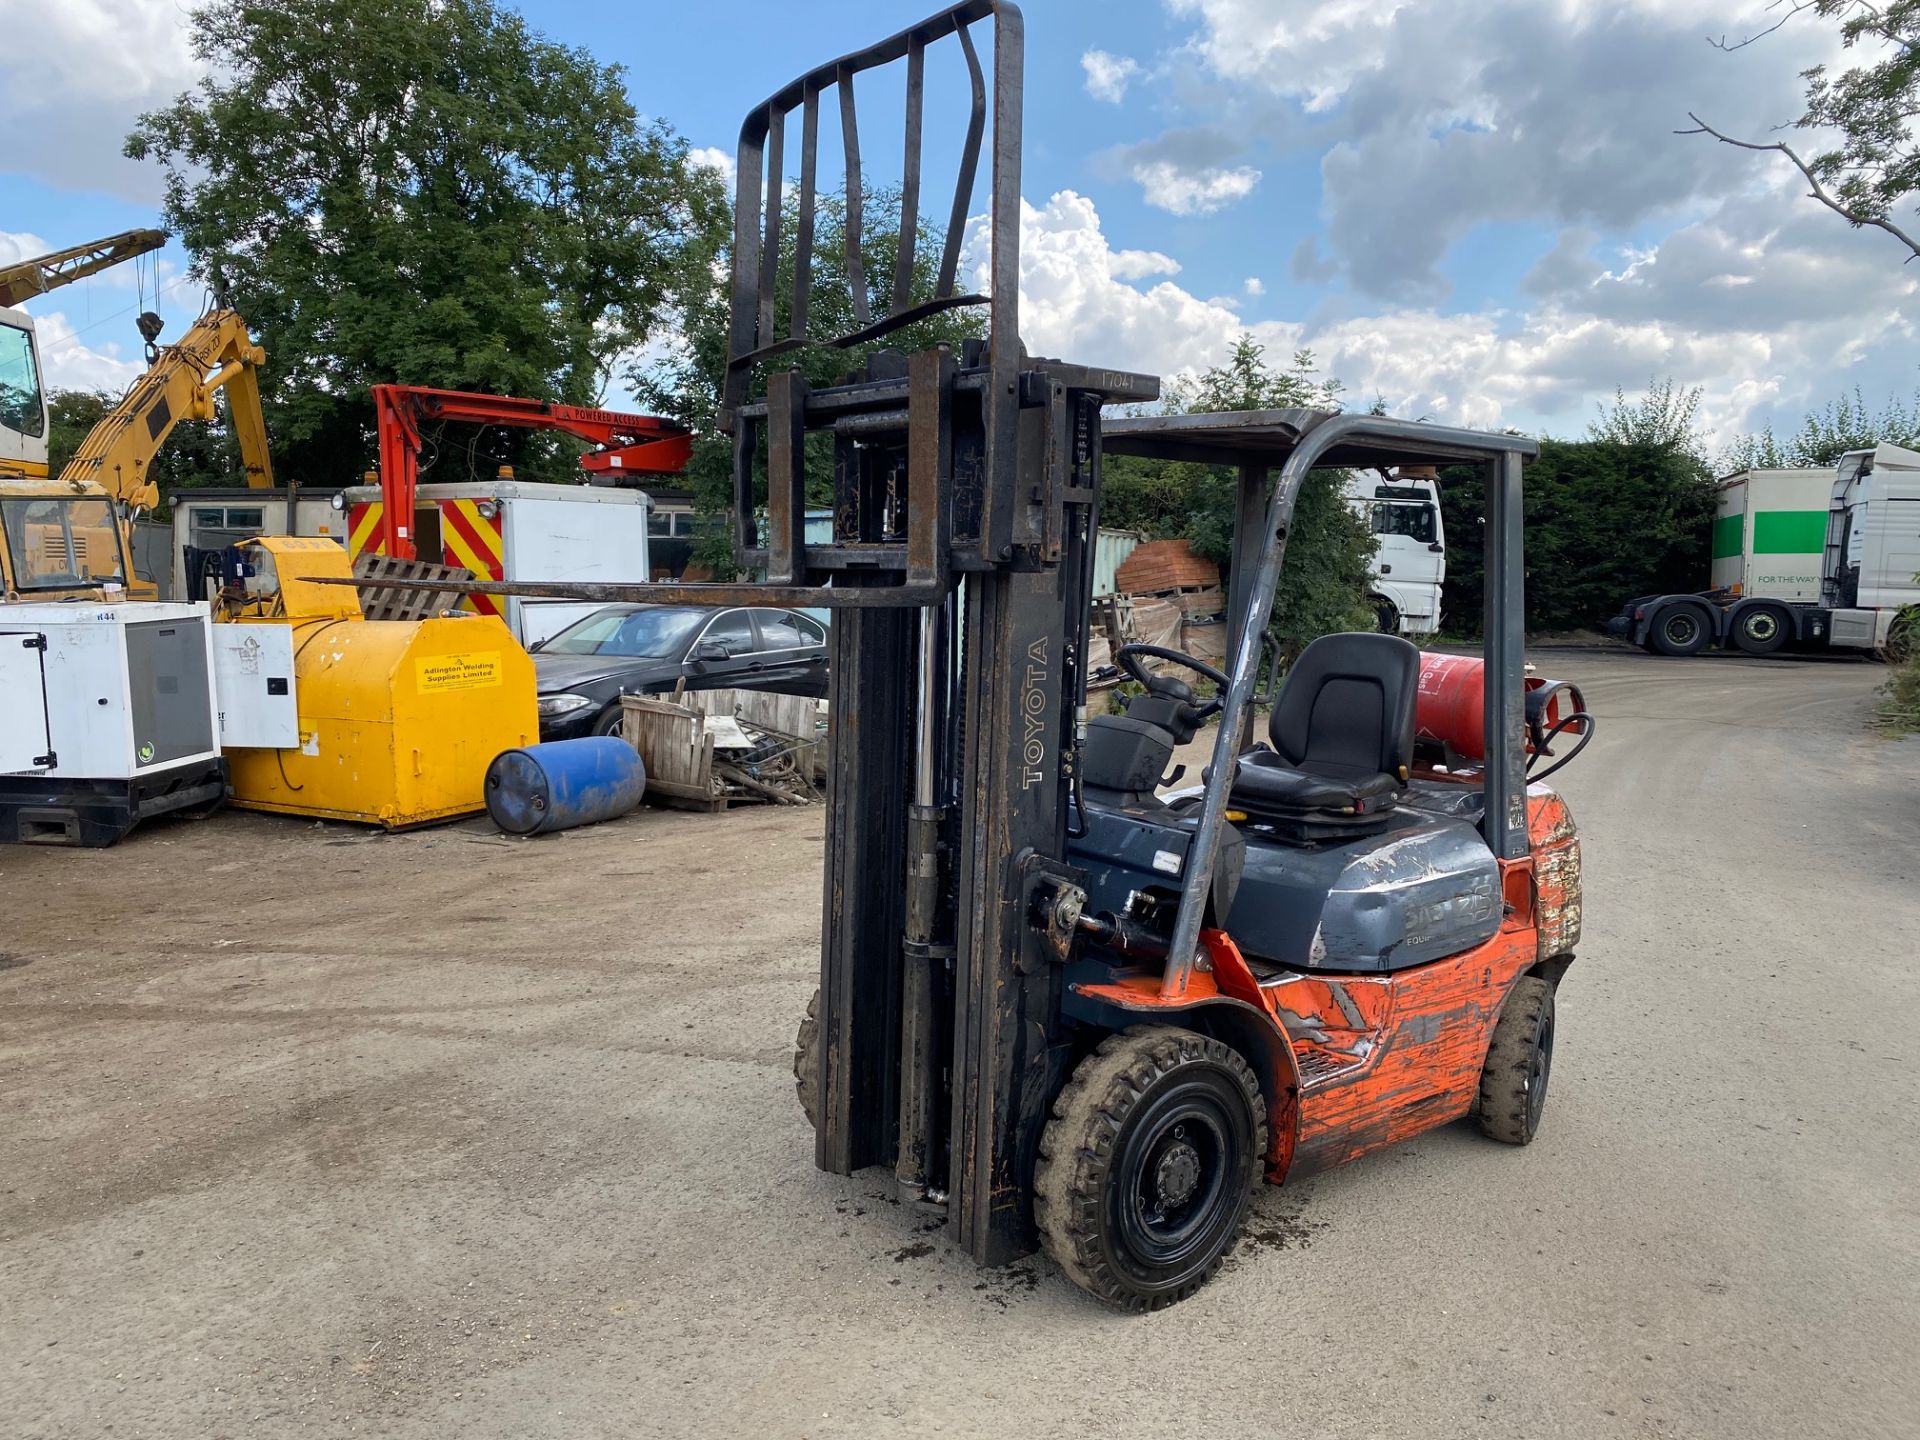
pixel 382 602
pixel 677 750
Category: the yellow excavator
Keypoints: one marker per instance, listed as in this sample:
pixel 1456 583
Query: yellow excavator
pixel 70 537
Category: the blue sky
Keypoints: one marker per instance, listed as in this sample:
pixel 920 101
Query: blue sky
pixel 1479 212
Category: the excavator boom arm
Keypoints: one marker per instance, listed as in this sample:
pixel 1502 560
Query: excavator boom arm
pixel 216 354
pixel 24 279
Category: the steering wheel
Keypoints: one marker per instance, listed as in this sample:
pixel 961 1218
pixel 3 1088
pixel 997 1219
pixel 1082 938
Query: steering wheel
pixel 1128 658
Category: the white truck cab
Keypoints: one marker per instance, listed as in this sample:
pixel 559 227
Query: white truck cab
pixel 1410 566
pixel 1873 544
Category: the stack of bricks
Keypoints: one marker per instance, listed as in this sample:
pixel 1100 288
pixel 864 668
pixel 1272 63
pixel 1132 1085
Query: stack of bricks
pixel 1170 568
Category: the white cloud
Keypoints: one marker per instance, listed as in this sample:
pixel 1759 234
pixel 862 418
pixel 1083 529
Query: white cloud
pixel 1139 264
pixel 1198 192
pixel 1107 75
pixel 1187 171
pixel 73 364
pixel 1255 286
pixel 84 71
pixel 1492 367
pixel 1314 50
pixel 1433 118
pixel 715 158
pixel 1075 300
pixel 17 245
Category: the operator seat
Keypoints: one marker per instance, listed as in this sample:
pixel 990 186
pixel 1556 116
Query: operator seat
pixel 1342 733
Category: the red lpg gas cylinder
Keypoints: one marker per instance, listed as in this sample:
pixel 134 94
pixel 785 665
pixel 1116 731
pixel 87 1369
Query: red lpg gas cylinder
pixel 1451 706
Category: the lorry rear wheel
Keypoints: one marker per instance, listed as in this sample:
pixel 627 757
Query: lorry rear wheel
pixel 1679 630
pixel 1148 1165
pixel 1513 1082
pixel 1761 630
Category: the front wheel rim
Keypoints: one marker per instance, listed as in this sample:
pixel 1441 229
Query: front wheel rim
pixel 1539 1068
pixel 1174 1189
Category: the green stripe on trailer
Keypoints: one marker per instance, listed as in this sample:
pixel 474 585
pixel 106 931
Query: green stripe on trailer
pixel 1784 532
pixel 1728 533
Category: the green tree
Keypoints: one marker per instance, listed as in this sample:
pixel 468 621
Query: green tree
pixel 687 385
pixel 427 192
pixel 1843 424
pixel 1323 586
pixel 1871 174
pixel 1605 520
pixel 1666 416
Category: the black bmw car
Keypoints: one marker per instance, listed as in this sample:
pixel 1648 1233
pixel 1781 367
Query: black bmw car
pixel 642 649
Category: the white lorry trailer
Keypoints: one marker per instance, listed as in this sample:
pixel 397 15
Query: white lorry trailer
pixel 1810 558
pixel 1410 566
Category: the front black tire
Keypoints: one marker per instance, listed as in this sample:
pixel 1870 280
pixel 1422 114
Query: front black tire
pixel 1386 616
pixel 1761 630
pixel 1513 1083
pixel 1679 630
pixel 611 721
pixel 1148 1165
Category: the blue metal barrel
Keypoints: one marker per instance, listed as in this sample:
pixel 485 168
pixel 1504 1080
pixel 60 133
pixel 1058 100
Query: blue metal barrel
pixel 564 783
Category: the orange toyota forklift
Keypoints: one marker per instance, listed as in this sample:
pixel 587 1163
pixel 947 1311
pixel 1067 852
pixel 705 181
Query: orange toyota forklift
pixel 1062 1008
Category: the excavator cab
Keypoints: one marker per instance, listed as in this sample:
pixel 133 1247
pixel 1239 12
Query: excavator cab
pixel 57 541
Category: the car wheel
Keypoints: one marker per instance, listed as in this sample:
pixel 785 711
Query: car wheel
pixel 611 722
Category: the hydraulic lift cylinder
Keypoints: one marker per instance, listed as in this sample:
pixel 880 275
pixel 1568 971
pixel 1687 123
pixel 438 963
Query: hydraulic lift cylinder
pixel 923 958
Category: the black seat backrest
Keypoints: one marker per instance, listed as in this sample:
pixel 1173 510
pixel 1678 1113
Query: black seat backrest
pixel 1348 704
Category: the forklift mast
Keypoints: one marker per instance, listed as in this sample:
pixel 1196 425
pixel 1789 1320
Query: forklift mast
pixel 964 508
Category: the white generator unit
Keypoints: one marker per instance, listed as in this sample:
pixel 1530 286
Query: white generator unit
pixel 108 717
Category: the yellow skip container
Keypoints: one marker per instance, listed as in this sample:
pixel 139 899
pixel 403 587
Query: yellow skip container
pixel 399 719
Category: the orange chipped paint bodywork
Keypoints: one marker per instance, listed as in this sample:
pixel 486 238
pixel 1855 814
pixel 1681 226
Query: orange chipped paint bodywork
pixel 1372 1059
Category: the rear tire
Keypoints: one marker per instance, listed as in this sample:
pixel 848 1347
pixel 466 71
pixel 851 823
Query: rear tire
pixel 1513 1082
pixel 806 1060
pixel 1762 629
pixel 1679 630
pixel 1148 1165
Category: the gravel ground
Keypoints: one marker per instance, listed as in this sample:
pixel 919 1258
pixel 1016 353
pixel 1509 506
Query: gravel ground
pixel 311 1132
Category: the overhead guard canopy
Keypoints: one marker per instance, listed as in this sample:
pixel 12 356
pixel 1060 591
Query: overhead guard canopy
pixel 1267 438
